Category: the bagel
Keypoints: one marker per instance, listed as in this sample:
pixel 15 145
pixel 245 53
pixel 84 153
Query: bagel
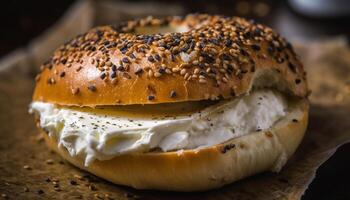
pixel 179 103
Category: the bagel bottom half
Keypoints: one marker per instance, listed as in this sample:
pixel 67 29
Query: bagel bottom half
pixel 206 168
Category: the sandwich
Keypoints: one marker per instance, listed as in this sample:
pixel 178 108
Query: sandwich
pixel 176 103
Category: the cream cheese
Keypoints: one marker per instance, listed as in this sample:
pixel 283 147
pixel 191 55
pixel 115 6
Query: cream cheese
pixel 103 136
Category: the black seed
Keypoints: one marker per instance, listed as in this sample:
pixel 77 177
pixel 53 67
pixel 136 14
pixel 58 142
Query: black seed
pixel 64 61
pixel 73 182
pixel 114 74
pixel 252 69
pixel 292 67
pixel 103 76
pixel 123 49
pixel 257 32
pixel 172 57
pixel 228 43
pixel 151 59
pixel 214 41
pixel 297 81
pixel 121 68
pixel 149 40
pixel 106 43
pixel 40 191
pixel 227 148
pixel 126 60
pixel 139 71
pixel 226 57
pixel 244 52
pixel 256 47
pixel 151 97
pixel 295 120
pixel 161 70
pixel 114 68
pixel 283 180
pixel 92 88
pixel 62 74
pixel 157 57
pixel 172 94
pixel 99 33
pixel 271 49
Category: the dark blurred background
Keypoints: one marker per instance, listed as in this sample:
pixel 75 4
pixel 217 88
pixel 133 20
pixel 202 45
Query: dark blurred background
pixel 295 19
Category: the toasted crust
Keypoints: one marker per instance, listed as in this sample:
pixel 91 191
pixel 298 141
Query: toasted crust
pixel 218 57
pixel 212 167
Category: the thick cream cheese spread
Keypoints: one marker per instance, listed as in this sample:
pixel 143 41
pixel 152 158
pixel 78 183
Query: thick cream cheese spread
pixel 99 135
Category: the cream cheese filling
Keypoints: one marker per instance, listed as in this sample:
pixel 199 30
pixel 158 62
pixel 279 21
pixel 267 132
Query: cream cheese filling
pixel 99 135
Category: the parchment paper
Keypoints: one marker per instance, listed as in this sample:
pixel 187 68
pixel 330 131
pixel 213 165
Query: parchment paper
pixel 29 171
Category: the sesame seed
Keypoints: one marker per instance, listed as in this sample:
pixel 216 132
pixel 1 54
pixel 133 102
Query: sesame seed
pixel 186 76
pixel 27 167
pixel 51 81
pixel 201 80
pixel 175 69
pixel 172 94
pixel 168 71
pixel 150 73
pixel 75 91
pixel 157 74
pixel 49 161
pixel 183 72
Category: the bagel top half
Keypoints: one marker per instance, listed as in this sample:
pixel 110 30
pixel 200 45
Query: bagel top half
pixel 151 61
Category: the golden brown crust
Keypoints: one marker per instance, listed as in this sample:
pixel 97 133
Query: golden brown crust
pixel 113 65
pixel 212 167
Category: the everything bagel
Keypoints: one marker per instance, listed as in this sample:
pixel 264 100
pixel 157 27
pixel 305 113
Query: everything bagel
pixel 181 104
